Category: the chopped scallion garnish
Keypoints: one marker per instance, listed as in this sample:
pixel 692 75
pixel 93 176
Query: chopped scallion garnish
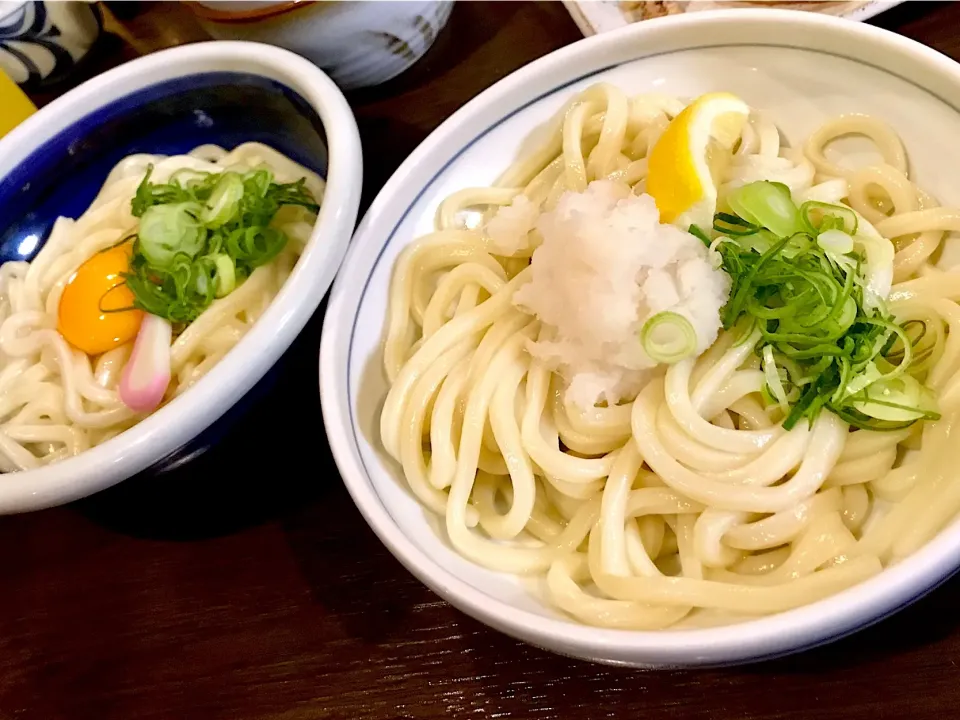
pixel 835 241
pixel 826 338
pixel 767 205
pixel 168 230
pixel 819 217
pixel 668 337
pixel 699 234
pixel 201 234
pixel 224 202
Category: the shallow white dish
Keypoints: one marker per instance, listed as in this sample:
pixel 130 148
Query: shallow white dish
pixel 600 16
pixel 119 103
pixel 801 67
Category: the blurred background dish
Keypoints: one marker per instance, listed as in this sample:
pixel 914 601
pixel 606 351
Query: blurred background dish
pixel 41 42
pixel 598 16
pixel 358 43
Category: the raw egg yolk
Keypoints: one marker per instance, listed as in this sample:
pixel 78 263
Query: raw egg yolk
pixel 95 289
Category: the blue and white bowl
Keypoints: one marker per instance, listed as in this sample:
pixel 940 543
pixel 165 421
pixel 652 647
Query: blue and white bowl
pixel 803 68
pixel 224 93
pixel 359 44
pixel 43 41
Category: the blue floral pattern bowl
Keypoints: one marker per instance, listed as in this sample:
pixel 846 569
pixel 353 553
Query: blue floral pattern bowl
pixel 41 42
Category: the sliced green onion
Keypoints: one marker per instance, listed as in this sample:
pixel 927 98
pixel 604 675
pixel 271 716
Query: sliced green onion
pixel 878 268
pixel 826 340
pixel 226 275
pixel 835 241
pixel 740 293
pixel 768 205
pixel 760 241
pixel 668 337
pixel 926 339
pixel 796 245
pixel 202 283
pixel 255 246
pixel 900 399
pixel 699 234
pixel 727 224
pixel 831 222
pixel 149 194
pixel 820 216
pixel 714 257
pixel 772 376
pixel 201 234
pixel 803 407
pixel 294 193
pixel 258 182
pixel 868 376
pixel 224 202
pixel 189 178
pixel 168 230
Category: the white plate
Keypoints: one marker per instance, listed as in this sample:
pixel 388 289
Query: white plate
pixel 801 67
pixel 599 16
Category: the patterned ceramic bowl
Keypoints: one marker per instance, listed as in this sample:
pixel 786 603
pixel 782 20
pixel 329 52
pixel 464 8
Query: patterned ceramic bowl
pixel 169 102
pixel 358 43
pixel 43 41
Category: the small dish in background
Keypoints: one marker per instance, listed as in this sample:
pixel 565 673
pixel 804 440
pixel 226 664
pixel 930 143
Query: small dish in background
pixel 599 16
pixel 42 42
pixel 357 44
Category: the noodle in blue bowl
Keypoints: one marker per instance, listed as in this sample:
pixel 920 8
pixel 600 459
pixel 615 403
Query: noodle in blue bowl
pixel 151 223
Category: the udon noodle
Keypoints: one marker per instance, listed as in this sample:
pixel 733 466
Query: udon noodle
pixel 685 504
pixel 55 400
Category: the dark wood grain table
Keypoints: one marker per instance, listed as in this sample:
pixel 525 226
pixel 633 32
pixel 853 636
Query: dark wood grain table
pixel 246 586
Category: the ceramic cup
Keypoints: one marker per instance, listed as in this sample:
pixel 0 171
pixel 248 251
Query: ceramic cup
pixel 358 44
pixel 42 42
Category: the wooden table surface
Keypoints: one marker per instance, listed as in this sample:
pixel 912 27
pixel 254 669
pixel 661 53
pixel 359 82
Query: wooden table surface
pixel 243 588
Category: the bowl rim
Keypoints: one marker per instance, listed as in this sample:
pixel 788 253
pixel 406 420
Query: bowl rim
pixel 175 424
pixel 771 636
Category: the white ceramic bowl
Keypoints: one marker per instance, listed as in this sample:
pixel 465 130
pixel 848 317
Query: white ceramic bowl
pixel 167 102
pixel 359 43
pixel 803 68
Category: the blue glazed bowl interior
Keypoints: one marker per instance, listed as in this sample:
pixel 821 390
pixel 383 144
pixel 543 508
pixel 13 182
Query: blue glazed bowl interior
pixel 63 175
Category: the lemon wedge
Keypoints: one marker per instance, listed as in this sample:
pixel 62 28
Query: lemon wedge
pixel 684 162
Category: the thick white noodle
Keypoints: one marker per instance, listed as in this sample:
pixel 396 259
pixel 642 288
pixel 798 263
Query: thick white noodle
pixel 690 500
